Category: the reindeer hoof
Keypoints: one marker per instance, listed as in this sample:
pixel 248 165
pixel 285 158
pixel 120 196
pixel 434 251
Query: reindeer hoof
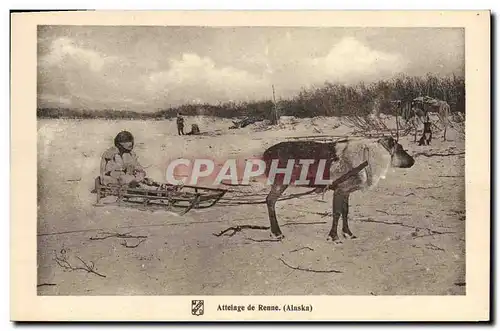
pixel 279 236
pixel 349 235
pixel 336 241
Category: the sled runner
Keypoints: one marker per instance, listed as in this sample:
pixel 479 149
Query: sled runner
pixel 164 196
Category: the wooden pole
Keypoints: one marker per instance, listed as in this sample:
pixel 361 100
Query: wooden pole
pixel 397 123
pixel 275 112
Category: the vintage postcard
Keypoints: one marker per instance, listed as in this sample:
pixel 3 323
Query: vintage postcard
pixel 216 166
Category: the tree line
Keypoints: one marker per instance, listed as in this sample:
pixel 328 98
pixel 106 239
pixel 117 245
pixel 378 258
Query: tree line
pixel 328 99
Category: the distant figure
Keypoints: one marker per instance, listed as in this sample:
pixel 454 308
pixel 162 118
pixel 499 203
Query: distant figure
pixel 180 124
pixel 195 129
pixel 119 164
pixel 426 135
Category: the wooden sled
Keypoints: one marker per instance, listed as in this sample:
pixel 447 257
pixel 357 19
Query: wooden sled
pixel 160 196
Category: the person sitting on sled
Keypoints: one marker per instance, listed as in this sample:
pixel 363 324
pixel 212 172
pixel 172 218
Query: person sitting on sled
pixel 119 164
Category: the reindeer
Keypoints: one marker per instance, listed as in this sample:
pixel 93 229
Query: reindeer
pixel 412 115
pixel 341 157
pixel 443 110
pixel 415 115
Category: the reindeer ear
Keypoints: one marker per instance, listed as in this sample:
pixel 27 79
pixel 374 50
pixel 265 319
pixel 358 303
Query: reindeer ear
pixel 393 136
pixel 388 142
pixel 391 142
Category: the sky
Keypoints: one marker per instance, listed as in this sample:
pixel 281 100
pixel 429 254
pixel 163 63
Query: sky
pixel 149 68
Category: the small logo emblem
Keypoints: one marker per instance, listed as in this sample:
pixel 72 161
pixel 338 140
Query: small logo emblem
pixel 197 307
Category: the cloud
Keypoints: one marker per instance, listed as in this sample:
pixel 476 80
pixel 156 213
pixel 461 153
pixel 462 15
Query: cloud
pixel 81 77
pixel 350 61
pixel 72 75
pixel 54 100
pixel 198 78
pixel 65 49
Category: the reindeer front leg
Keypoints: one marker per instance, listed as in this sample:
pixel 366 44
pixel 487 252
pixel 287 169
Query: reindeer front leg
pixel 337 204
pixel 345 223
pixel 273 196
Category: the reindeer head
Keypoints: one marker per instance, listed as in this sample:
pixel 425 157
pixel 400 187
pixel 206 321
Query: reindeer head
pixel 399 157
